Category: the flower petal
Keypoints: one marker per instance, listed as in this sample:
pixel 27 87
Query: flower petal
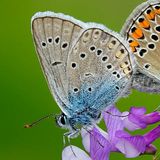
pixel 129 124
pixel 152 135
pixel 86 132
pixel 138 110
pixel 75 154
pixel 140 119
pixel 100 148
pixel 131 146
pixel 113 122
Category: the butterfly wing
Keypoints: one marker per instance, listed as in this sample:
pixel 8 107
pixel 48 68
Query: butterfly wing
pixel 99 68
pixel 144 83
pixel 54 35
pixel 142 31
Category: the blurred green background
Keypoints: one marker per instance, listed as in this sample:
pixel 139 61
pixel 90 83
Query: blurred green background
pixel 23 89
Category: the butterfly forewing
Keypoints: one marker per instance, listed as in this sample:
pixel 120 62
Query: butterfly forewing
pixel 142 31
pixel 54 35
pixel 99 68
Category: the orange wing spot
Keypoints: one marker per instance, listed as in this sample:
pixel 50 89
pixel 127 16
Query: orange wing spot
pixel 134 44
pixel 151 15
pixel 133 49
pixel 144 24
pixel 137 34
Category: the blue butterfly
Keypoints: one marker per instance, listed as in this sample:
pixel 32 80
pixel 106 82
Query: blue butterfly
pixel 87 66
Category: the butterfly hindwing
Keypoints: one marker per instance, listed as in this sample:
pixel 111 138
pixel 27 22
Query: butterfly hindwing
pixel 54 35
pixel 99 68
pixel 144 83
pixel 142 31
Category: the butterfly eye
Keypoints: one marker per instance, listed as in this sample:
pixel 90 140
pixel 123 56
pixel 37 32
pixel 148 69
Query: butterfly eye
pixel 62 120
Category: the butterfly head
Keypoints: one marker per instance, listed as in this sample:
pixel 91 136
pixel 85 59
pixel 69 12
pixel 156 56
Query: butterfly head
pixel 62 121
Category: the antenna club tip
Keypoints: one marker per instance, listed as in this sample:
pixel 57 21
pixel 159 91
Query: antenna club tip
pixel 27 126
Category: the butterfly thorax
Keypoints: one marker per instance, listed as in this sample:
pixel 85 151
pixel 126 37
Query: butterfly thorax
pixel 78 120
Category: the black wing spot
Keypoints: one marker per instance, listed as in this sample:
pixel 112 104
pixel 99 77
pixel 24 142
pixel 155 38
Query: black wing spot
pixel 118 76
pixel 74 65
pixel 157 7
pixel 141 20
pixel 114 73
pixel 113 42
pixel 82 55
pixel 44 44
pixel 88 74
pixel 75 90
pixel 142 52
pixel 104 59
pixel 92 48
pixel 122 51
pixel 57 40
pixel 147 66
pixel 89 89
pixel 99 52
pixel 151 46
pixel 154 37
pixel 50 40
pixel 64 45
pixel 117 88
pixel 148 11
pixel 109 66
pixel 157 28
pixel 56 63
pixel 133 29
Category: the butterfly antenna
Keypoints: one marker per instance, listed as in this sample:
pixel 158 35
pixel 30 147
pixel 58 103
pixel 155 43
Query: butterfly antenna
pixel 38 121
pixel 157 109
pixel 157 156
pixel 116 115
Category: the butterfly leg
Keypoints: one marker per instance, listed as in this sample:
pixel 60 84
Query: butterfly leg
pixel 69 135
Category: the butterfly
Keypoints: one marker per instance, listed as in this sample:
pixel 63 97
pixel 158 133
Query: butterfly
pixel 87 67
pixel 142 31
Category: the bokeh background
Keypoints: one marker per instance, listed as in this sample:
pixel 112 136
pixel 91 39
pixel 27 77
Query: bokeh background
pixel 24 95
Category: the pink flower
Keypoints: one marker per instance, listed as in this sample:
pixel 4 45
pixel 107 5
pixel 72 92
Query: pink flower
pixel 99 144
